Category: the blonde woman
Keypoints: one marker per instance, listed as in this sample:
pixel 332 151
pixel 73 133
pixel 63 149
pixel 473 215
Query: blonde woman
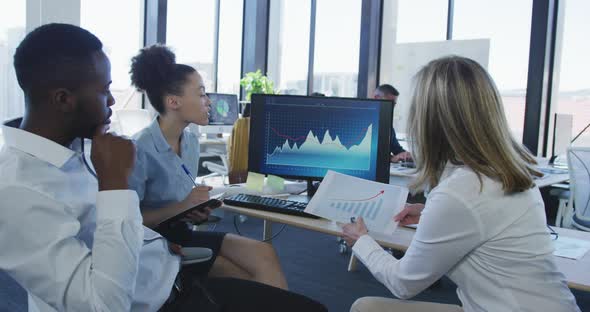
pixel 483 224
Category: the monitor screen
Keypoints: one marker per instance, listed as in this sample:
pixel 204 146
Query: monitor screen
pixel 223 114
pixel 304 137
pixel 224 109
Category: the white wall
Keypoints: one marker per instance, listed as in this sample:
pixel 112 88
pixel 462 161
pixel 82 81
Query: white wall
pixel 406 59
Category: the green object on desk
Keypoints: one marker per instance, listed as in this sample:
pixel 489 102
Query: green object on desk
pixel 275 183
pixel 255 181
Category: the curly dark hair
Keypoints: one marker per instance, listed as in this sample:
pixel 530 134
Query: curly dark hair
pixel 155 71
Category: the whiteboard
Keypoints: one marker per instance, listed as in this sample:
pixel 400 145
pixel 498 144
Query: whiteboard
pixel 408 58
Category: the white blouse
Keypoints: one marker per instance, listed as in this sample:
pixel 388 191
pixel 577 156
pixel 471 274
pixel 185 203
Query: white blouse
pixel 495 247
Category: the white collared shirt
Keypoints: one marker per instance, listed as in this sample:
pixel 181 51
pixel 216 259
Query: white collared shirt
pixel 71 247
pixel 495 247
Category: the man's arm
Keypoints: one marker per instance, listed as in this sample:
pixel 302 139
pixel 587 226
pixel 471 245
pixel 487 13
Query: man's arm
pixel 41 250
pixel 395 147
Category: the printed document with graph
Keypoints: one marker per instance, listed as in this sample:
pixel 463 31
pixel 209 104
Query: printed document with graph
pixel 341 197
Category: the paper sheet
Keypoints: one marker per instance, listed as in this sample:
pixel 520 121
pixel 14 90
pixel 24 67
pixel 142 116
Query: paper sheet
pixel 341 197
pixel 571 248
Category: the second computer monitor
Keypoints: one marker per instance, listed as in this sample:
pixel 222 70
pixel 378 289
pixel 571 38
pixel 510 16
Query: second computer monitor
pixel 304 137
pixel 223 114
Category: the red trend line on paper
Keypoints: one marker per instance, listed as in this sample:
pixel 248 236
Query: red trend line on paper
pixel 366 199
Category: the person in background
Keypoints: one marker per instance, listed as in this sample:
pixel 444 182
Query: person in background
pixel 483 224
pixel 388 92
pixel 72 236
pixel 177 93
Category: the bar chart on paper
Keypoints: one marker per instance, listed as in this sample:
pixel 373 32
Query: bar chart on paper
pixel 341 197
pixel 368 209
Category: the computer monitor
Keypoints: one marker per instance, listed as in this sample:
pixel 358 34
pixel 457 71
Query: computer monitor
pixel 224 112
pixel 303 137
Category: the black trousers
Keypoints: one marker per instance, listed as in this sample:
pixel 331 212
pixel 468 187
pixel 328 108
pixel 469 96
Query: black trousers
pixel 201 294
pixel 231 295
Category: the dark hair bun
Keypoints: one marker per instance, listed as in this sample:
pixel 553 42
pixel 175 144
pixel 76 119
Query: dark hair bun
pixel 152 67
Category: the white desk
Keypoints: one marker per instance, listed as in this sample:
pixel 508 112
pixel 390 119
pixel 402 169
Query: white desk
pixel 403 176
pixel 552 176
pixel 576 272
pixel 213 147
pixel 399 175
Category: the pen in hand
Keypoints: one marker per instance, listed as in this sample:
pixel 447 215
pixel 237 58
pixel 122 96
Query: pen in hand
pixel 190 176
pixel 198 194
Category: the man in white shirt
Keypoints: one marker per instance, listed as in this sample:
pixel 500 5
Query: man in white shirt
pixel 71 248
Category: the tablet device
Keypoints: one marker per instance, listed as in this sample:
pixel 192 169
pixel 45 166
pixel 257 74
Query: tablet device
pixel 170 222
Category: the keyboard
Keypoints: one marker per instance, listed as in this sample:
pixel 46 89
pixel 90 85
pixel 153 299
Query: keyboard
pixel 407 164
pixel 269 204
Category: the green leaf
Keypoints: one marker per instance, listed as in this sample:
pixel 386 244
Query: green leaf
pixel 256 82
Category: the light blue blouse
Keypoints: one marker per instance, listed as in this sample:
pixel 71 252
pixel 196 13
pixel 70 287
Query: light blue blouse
pixel 158 177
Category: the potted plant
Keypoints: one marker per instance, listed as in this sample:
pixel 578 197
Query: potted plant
pixel 256 82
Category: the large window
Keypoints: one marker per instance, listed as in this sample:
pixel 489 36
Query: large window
pixel 230 46
pixel 507 24
pixel 337 43
pixel 190 31
pixel 288 48
pixel 121 33
pixel 411 36
pixel 12 31
pixel 574 85
pixel 417 20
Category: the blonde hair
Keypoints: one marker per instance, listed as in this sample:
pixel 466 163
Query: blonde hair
pixel 456 116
